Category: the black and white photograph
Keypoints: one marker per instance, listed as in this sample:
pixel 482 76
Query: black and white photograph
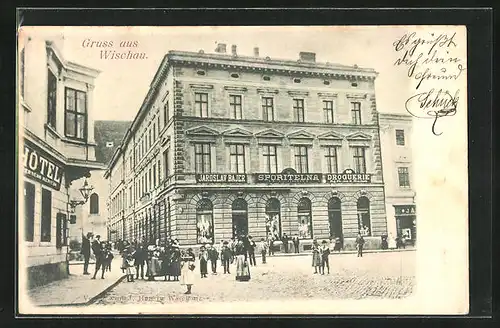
pixel 242 170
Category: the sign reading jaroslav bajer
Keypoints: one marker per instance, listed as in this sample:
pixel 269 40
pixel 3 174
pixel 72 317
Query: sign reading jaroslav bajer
pixel 288 178
pixel 221 178
pixel 348 176
pixel 41 168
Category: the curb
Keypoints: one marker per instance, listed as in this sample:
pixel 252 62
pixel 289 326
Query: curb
pixel 345 252
pixel 92 299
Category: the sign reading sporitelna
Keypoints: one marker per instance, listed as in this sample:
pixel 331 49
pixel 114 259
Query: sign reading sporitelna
pixel 287 176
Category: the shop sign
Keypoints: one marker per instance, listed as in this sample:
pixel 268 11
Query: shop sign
pixel 41 167
pixel 221 178
pixel 288 178
pixel 405 210
pixel 348 176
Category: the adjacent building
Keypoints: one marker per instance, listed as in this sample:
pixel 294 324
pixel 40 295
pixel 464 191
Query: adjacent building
pixel 56 139
pixel 225 145
pixel 396 134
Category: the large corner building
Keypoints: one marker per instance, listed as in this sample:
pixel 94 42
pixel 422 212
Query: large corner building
pixel 225 144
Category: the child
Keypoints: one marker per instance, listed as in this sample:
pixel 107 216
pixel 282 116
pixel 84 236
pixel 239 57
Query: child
pixel 130 260
pixel 108 257
pixel 263 250
pixel 203 261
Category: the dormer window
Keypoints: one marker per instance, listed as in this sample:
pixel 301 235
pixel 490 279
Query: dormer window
pixel 201 72
pixel 235 75
pixel 266 78
pixel 296 80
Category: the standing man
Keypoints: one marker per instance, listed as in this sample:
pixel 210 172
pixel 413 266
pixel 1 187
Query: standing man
pixel 296 243
pixel 226 256
pixel 263 250
pixel 251 250
pixel 360 241
pixel 325 253
pixel 213 256
pixel 99 256
pixel 271 244
pixel 86 252
pixel 285 240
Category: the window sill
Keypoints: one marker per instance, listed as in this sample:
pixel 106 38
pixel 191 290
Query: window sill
pixel 52 130
pixel 25 105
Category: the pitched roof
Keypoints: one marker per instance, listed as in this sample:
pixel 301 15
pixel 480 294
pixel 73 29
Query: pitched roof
pixel 108 136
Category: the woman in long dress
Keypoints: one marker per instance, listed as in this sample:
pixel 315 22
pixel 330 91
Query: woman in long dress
pixel 175 262
pixel 187 270
pixel 242 267
pixel 316 259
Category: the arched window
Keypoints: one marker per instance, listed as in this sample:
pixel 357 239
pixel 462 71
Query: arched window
pixel 305 218
pixel 364 216
pixel 273 217
pixel 335 217
pixel 94 204
pixel 204 222
pixel 240 217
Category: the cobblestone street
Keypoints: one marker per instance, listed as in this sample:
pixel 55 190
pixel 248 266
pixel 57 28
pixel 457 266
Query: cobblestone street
pixel 376 275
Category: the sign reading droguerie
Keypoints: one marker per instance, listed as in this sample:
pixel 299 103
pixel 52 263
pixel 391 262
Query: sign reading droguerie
pixel 221 178
pixel 288 178
pixel 40 167
pixel 348 176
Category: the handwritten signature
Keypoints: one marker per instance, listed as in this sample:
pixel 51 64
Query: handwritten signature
pixel 413 42
pixel 433 104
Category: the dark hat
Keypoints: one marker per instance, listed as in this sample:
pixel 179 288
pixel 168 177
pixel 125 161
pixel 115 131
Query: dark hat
pixel 225 243
pixel 323 242
pixel 190 249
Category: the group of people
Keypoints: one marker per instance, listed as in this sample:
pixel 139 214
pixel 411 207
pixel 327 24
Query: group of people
pixel 102 252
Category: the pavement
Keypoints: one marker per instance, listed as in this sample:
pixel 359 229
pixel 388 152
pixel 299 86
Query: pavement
pixel 280 278
pixel 77 289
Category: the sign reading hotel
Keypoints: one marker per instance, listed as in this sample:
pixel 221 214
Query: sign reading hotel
pixel 348 176
pixel 41 168
pixel 221 178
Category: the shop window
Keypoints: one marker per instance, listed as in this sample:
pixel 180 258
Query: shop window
pixel 239 217
pixel 46 215
pixel 75 114
pixel 335 217
pixel 61 230
pixel 364 216
pixel 204 222
pixel 94 204
pixel 273 218
pixel 304 215
pixel 29 211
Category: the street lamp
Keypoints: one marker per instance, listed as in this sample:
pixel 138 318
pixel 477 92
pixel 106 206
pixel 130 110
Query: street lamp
pixel 85 191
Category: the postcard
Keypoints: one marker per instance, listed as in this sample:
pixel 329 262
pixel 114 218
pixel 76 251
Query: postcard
pixel 242 170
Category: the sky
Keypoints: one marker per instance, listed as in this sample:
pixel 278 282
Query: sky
pixel 123 84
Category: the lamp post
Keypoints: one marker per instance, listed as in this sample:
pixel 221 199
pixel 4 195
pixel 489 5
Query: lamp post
pixel 85 190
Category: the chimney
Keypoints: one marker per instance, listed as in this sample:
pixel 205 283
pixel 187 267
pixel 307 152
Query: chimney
pixel 307 57
pixel 221 48
pixel 256 51
pixel 233 49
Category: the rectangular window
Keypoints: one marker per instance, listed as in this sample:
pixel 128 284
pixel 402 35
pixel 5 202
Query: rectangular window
pixel 46 221
pixel 270 158
pixel 237 158
pixel 51 99
pixel 202 158
pixel 236 107
pixel 301 160
pixel 356 112
pixel 328 111
pixel 331 159
pixel 29 211
pixel 154 133
pixel 400 137
pixel 166 162
pixel 154 175
pixel 23 57
pixel 61 230
pixel 359 159
pixel 268 109
pixel 158 124
pixel 150 138
pixel 131 196
pixel 404 177
pixel 166 114
pixel 159 171
pixel 75 124
pixel 201 104
pixel 150 181
pixel 298 109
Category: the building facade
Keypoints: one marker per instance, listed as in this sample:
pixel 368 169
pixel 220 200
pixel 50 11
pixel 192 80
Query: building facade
pixel 57 146
pixel 396 137
pixel 225 145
